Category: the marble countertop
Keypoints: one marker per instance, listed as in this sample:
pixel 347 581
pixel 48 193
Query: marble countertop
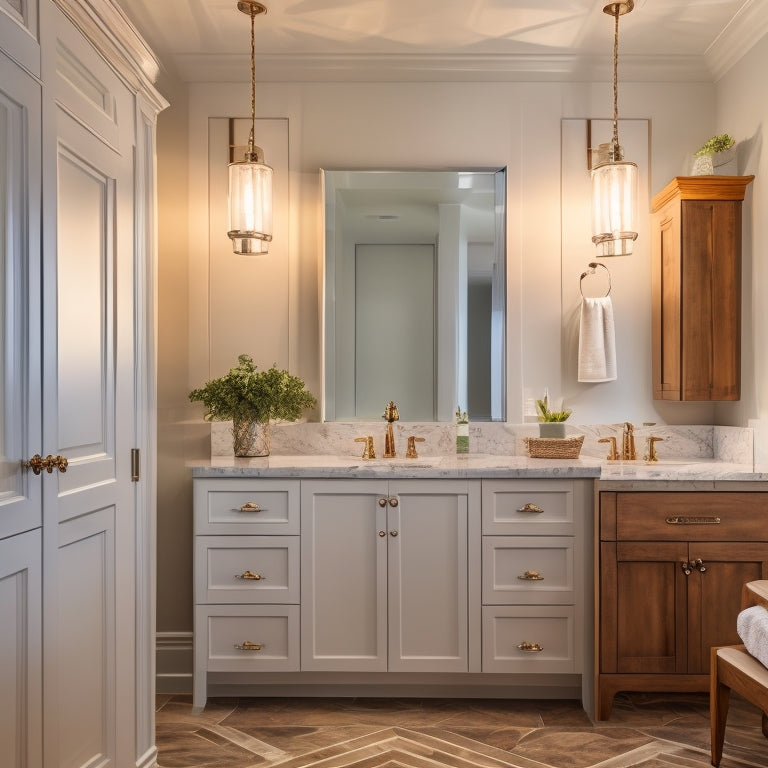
pixel 475 466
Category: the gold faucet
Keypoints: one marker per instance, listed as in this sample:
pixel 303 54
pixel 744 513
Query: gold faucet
pixel 390 414
pixel 628 443
pixel 650 454
pixel 369 452
pixel 411 453
pixel 613 454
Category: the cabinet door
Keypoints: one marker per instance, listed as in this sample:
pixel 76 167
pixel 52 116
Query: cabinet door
pixel 643 607
pixel 428 573
pixel 90 413
pixel 711 295
pixel 20 398
pixel 344 575
pixel 20 641
pixel 714 595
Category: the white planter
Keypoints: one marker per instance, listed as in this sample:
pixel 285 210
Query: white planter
pixel 551 429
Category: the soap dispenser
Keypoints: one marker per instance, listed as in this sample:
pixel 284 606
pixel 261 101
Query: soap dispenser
pixel 462 431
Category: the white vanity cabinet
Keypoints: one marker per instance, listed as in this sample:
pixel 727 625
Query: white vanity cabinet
pixel 364 584
pixel 386 575
pixel 532 585
pixel 246 578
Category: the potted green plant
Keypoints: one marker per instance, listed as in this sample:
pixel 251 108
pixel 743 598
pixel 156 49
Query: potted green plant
pixel 551 423
pixel 716 155
pixel 252 399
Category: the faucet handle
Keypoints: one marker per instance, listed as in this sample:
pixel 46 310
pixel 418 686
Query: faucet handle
pixel 613 454
pixel 650 454
pixel 410 452
pixel 369 452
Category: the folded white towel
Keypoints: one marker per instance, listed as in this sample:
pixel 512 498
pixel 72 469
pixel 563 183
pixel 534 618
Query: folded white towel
pixel 752 626
pixel 597 340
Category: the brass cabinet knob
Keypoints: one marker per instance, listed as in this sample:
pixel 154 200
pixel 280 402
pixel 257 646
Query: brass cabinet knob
pixel 249 646
pixel 383 502
pixel 249 576
pixel 382 534
pixel 530 509
pixel 530 647
pixel 531 576
pixel 393 533
pixel 393 501
pixel 250 506
pixel 37 463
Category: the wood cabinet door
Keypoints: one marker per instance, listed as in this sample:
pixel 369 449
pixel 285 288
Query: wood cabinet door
pixel 428 576
pixel 344 575
pixel 714 594
pixel 643 607
pixel 711 292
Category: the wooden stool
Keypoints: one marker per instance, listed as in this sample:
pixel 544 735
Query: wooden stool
pixel 734 668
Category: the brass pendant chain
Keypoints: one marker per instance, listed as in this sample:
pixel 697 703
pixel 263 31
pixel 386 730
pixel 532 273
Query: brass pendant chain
pixel 251 138
pixel 615 150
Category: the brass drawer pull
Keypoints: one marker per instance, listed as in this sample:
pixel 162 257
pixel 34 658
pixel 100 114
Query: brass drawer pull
pixel 688 520
pixel 530 508
pixel 250 506
pixel 531 576
pixel 249 646
pixel 530 647
pixel 249 576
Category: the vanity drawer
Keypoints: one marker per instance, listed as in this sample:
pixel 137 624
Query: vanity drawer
pixel 527 507
pixel 272 632
pixel 512 563
pixel 548 628
pixel 246 506
pixel 247 569
pixel 686 516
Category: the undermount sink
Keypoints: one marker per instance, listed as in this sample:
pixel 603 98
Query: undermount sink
pixel 421 462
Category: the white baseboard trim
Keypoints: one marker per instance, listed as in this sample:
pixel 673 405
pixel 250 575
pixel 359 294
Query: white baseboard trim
pixel 175 662
pixel 148 759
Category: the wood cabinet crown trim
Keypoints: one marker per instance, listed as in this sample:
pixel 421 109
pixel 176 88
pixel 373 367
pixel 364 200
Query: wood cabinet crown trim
pixel 702 188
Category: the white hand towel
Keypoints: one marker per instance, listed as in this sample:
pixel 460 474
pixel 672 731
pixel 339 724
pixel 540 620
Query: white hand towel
pixel 752 627
pixel 597 340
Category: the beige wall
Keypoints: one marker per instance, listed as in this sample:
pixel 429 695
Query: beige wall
pixel 400 125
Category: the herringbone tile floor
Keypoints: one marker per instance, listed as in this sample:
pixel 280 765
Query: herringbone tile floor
pixel 645 730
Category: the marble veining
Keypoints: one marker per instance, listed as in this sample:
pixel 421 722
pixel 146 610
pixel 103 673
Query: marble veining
pixel 310 449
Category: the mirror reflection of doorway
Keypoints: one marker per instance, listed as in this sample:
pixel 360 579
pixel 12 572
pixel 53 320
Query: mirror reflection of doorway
pixel 395 330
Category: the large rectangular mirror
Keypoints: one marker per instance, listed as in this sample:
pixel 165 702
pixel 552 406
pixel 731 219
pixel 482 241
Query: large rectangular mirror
pixel 414 294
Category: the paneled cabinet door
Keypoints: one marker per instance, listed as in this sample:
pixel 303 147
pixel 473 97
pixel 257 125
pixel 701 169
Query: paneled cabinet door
pixel 90 416
pixel 20 399
pixel 385 576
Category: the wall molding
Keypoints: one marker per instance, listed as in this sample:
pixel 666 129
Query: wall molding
pixel 174 653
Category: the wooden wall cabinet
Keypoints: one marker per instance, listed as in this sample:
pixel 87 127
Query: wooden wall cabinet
pixel 671 569
pixel 696 288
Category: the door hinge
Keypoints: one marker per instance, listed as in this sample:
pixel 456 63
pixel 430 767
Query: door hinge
pixel 135 465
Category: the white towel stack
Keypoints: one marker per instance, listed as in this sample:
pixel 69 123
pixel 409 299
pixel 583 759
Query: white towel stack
pixel 597 340
pixel 752 626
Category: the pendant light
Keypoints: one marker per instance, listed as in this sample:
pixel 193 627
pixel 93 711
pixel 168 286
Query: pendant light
pixel 614 180
pixel 250 180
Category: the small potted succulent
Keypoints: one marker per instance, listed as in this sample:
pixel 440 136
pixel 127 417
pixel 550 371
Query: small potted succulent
pixel 716 156
pixel 252 399
pixel 551 423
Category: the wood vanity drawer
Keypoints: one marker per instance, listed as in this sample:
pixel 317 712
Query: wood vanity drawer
pixel 527 507
pixel 247 569
pixel 686 516
pixel 511 565
pixel 550 628
pixel 272 632
pixel 246 506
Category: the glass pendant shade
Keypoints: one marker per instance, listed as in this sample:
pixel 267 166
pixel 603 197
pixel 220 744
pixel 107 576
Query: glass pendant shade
pixel 250 206
pixel 614 206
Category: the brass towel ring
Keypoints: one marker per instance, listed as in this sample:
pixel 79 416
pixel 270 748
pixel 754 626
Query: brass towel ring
pixel 593 265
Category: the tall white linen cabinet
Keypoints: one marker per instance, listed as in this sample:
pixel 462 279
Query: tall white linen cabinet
pixel 77 396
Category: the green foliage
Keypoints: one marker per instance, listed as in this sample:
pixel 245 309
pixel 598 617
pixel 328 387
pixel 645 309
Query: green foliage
pixel 247 394
pixel 716 144
pixel 546 415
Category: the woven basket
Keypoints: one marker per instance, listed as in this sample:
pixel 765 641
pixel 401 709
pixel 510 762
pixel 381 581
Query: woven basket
pixel 554 447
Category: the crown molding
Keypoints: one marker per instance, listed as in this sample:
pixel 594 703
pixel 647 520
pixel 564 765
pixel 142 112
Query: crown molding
pixel 746 28
pixel 107 27
pixel 439 68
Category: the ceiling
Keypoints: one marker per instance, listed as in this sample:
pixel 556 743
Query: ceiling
pixel 322 40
